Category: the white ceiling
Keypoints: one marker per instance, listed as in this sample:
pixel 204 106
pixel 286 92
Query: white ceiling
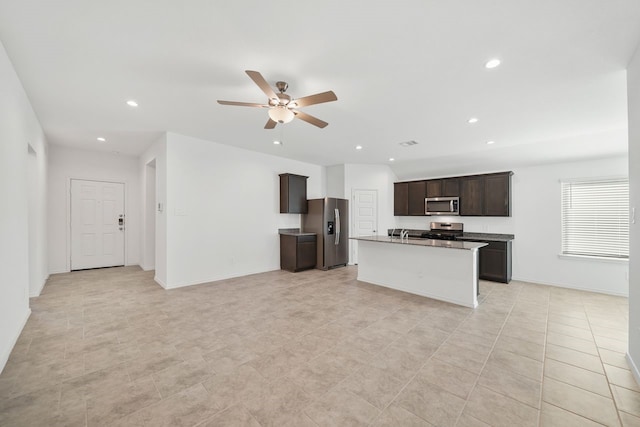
pixel 405 70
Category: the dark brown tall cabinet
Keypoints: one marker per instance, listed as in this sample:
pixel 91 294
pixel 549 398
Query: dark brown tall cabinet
pixel 293 193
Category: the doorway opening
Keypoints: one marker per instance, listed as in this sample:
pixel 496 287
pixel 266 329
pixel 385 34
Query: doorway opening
pixel 33 227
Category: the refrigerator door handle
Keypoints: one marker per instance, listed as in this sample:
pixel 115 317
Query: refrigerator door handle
pixel 337 227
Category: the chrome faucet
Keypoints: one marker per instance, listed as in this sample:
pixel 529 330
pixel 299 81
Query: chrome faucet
pixel 404 235
pixel 393 231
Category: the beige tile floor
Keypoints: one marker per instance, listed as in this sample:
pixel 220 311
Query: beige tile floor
pixel 110 347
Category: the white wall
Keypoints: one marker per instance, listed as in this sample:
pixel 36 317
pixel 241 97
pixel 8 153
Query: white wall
pixel 370 177
pixel 19 128
pixel 156 153
pixel 70 163
pixel 633 97
pixel 222 209
pixel 335 181
pixel 536 224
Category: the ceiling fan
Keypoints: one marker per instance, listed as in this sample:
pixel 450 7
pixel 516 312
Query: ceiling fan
pixel 282 108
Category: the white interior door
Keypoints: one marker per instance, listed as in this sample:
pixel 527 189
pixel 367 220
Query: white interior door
pixel 365 217
pixel 97 224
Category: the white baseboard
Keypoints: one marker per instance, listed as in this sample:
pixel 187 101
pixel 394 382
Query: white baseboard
pixel 160 282
pixel 634 368
pixel 147 267
pixel 213 279
pixel 41 287
pixel 4 357
pixel 577 288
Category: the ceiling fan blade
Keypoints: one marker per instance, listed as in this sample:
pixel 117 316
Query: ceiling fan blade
pixel 270 124
pixel 242 104
pixel 318 98
pixel 262 84
pixel 310 119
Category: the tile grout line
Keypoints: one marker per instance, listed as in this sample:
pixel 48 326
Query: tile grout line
pixel 615 405
pixel 576 386
pixel 429 359
pixel 475 384
pixel 544 357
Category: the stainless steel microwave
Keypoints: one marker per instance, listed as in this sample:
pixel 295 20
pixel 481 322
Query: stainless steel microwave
pixel 442 206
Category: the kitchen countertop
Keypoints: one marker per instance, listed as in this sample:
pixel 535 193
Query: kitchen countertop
pixel 448 244
pixel 489 237
pixel 294 232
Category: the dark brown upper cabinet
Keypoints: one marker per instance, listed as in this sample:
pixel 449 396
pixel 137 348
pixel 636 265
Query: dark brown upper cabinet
pixel 401 198
pixel 486 195
pixel 471 195
pixel 417 194
pixel 434 188
pixel 480 195
pixel 445 187
pixel 497 194
pixel 293 193
pixel 451 187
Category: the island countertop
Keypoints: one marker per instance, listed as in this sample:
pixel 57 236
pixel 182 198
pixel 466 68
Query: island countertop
pixel 449 244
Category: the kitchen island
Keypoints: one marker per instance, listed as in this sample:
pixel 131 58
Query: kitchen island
pixel 440 269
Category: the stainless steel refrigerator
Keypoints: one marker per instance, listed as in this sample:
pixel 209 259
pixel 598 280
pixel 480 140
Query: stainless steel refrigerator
pixel 329 219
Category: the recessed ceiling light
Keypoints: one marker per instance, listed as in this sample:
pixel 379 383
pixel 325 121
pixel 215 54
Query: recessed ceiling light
pixel 490 142
pixel 391 159
pixel 492 63
pixel 277 142
pixel 358 147
pixel 132 103
pixel 473 120
pixel 101 139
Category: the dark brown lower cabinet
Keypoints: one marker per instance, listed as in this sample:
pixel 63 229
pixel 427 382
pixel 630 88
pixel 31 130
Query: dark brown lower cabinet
pixel 297 252
pixel 495 262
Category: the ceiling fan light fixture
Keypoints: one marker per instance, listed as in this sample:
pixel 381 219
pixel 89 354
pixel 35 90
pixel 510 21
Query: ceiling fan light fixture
pixel 281 114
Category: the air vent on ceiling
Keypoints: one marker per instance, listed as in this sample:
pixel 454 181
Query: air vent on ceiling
pixel 408 143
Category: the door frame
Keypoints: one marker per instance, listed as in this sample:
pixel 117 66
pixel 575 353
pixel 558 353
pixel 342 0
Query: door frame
pixel 68 219
pixel 352 219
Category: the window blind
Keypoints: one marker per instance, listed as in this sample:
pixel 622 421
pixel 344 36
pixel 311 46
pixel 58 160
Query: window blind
pixel 595 218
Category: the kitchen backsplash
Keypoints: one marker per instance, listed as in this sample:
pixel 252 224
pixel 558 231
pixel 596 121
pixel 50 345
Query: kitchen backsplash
pixel 471 224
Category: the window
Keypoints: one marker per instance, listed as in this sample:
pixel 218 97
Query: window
pixel 595 218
